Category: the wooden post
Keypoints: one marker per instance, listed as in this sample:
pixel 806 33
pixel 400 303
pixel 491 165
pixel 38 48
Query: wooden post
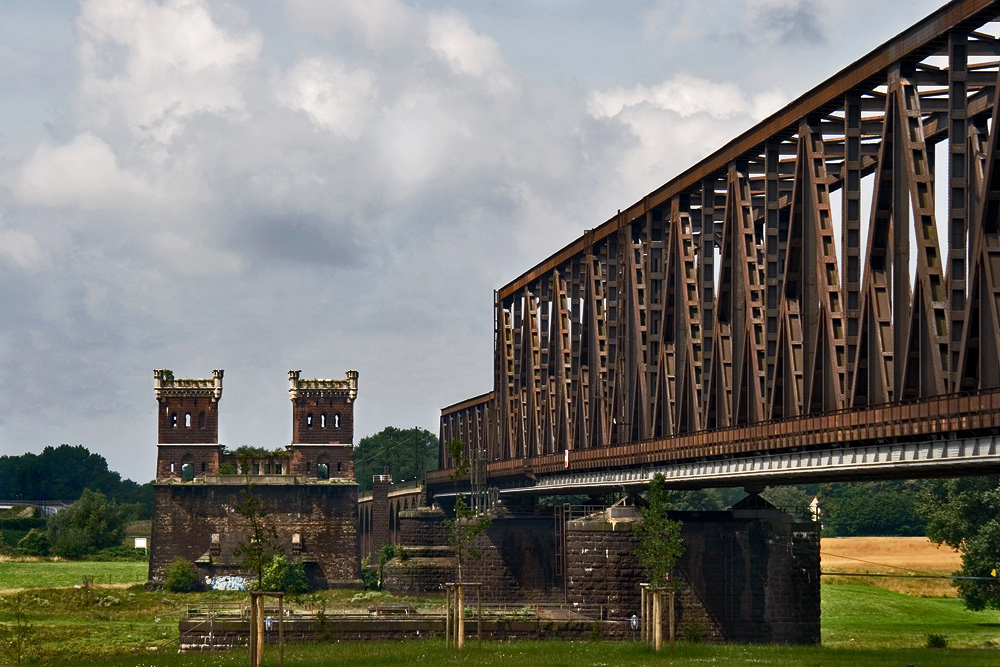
pixel 657 621
pixel 672 594
pixel 460 622
pixel 260 631
pixel 253 631
pixel 281 631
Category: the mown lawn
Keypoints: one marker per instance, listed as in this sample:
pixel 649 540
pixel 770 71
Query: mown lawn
pixel 45 574
pixel 868 617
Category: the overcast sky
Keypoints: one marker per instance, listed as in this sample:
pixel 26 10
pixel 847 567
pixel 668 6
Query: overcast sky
pixel 321 185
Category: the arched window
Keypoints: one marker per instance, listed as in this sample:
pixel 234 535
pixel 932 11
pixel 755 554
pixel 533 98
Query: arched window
pixel 309 420
pixel 322 420
pixel 187 420
pixel 336 420
pixel 187 472
pixel 338 466
pixel 322 471
pixel 173 421
pixel 201 420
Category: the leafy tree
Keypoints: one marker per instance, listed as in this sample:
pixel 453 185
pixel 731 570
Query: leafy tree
pixel 63 472
pixel 406 454
pixel 964 513
pixel 659 536
pixel 872 508
pixel 181 576
pixel 280 575
pixel 259 544
pixel 90 524
pixel 660 546
pixel 789 498
pixel 35 543
pixel 467 524
pixel 704 500
pixel 464 527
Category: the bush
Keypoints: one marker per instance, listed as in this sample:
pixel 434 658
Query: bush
pixel 280 575
pixel 35 543
pixel 182 576
pixel 370 577
pixel 90 524
pixel 936 641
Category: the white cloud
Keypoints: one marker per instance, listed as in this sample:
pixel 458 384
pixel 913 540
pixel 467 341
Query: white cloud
pixel 684 94
pixel 23 249
pixel 83 173
pixel 466 52
pixel 677 123
pixel 336 98
pixel 158 64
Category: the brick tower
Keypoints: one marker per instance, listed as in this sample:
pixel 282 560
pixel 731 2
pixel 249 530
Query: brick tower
pixel 188 424
pixel 323 425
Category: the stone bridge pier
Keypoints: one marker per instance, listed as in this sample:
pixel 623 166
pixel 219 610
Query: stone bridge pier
pixel 750 573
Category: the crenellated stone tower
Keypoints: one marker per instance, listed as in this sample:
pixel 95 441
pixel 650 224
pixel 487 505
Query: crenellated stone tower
pixel 188 424
pixel 323 425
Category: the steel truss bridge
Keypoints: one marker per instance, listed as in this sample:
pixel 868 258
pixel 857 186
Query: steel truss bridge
pixel 818 299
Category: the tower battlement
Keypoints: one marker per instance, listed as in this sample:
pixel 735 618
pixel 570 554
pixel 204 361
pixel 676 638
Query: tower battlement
pixel 317 388
pixel 166 385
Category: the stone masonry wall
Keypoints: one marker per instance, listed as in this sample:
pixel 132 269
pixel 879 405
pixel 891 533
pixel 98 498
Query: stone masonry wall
pixel 758 575
pixel 423 527
pixel 748 579
pixel 602 568
pixel 518 561
pixel 186 515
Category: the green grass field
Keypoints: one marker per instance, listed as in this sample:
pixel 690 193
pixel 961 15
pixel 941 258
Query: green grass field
pixel 70 573
pixel 432 652
pixel 117 627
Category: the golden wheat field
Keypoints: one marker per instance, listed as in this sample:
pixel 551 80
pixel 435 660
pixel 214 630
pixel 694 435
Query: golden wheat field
pixel 909 556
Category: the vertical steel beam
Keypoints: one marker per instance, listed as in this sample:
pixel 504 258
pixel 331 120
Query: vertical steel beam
pixel 851 228
pixel 958 189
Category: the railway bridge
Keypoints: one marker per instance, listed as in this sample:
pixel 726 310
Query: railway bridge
pixel 818 299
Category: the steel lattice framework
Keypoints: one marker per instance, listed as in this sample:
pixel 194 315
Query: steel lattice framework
pixel 823 263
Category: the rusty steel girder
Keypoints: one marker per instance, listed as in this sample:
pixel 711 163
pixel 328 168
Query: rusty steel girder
pixel 753 292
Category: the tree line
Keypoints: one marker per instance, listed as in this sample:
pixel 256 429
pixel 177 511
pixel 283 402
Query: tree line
pixel 63 472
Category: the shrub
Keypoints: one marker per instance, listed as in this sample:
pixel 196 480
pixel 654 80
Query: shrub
pixel 280 575
pixel 370 577
pixel 182 576
pixel 91 523
pixel 35 543
pixel 936 641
